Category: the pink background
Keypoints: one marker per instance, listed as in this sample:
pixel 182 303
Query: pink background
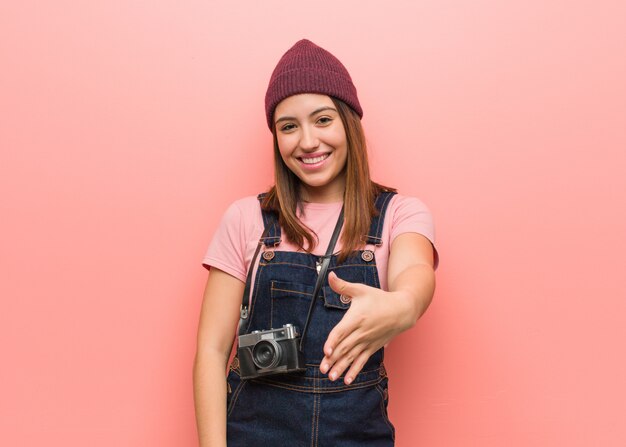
pixel 127 127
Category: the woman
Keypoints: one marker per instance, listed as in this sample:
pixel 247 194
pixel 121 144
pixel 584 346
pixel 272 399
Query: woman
pixel 380 280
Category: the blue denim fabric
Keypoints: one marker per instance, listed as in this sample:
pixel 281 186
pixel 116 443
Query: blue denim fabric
pixel 307 409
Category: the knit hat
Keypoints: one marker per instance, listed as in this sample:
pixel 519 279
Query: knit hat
pixel 307 68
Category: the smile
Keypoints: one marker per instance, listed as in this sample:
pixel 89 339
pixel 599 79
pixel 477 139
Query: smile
pixel 313 160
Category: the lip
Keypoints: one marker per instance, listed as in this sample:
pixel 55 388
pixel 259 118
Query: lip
pixel 314 166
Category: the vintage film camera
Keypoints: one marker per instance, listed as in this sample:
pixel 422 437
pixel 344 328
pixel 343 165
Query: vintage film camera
pixel 273 351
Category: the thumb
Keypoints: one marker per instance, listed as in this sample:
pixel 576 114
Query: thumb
pixel 341 286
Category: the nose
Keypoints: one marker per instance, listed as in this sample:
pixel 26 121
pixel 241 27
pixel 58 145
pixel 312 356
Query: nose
pixel 309 140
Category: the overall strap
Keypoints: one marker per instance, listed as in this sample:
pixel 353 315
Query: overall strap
pixel 244 311
pixel 269 237
pixel 375 234
pixel 270 222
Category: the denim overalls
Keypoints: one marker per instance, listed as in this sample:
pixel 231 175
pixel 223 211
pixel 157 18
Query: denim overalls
pixel 307 409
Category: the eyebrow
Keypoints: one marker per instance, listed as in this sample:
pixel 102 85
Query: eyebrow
pixel 314 112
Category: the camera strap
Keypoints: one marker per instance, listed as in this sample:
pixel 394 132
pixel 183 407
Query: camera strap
pixel 321 274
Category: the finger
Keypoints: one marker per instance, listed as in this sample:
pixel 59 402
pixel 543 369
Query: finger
pixel 342 286
pixel 356 367
pixel 345 327
pixel 344 362
pixel 343 348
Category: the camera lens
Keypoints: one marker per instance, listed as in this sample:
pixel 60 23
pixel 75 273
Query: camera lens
pixel 266 354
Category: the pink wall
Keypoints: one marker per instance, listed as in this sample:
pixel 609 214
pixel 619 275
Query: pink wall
pixel 126 128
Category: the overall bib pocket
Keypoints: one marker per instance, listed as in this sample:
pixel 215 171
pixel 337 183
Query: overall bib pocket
pixel 290 303
pixel 335 306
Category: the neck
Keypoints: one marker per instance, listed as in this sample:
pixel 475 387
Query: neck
pixel 320 195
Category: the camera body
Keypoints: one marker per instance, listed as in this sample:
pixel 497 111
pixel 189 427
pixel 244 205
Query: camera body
pixel 273 351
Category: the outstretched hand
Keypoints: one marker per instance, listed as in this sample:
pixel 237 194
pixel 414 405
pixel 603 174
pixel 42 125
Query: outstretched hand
pixel 373 319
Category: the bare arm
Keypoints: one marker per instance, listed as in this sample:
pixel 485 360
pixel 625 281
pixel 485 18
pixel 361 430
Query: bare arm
pixel 411 273
pixel 376 316
pixel 216 330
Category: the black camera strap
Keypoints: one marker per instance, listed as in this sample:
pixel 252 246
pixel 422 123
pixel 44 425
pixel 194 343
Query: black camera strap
pixel 321 274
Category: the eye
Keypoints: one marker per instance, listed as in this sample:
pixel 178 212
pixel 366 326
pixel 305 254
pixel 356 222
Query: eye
pixel 287 127
pixel 324 120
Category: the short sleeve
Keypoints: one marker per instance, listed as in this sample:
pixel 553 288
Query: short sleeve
pixel 227 248
pixel 411 215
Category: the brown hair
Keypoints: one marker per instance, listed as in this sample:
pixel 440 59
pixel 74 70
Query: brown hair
pixel 359 195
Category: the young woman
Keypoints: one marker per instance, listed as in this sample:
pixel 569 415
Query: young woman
pixel 380 278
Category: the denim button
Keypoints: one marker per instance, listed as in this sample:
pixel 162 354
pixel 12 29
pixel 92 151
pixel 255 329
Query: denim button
pixel 268 255
pixel 345 299
pixel 367 255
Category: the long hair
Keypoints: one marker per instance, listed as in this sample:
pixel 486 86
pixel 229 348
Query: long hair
pixel 359 195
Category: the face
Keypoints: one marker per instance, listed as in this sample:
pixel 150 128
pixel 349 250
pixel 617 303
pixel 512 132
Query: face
pixel 312 143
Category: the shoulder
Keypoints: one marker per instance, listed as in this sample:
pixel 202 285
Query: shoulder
pixel 401 205
pixel 241 210
pixel 236 234
pixel 410 214
pixel 244 205
pixel 242 219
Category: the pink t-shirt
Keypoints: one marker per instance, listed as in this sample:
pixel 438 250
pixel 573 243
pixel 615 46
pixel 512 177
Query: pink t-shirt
pixel 236 238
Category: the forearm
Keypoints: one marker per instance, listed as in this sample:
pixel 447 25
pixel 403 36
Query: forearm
pixel 210 398
pixel 413 288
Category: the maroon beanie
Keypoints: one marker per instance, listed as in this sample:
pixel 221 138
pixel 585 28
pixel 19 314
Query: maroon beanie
pixel 307 68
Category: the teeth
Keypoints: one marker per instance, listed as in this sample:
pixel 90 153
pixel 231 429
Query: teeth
pixel 310 161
